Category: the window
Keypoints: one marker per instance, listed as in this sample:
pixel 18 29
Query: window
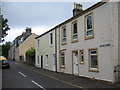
pixel 64 34
pixel 38 43
pixel 22 39
pixel 46 60
pixel 93 60
pixel 38 59
pixel 51 39
pixel 89 26
pixel 81 57
pixel 74 31
pixel 62 59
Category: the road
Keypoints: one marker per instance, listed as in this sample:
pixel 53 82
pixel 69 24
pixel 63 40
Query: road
pixel 21 77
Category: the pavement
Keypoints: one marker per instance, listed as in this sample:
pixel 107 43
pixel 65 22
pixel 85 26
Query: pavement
pixel 76 81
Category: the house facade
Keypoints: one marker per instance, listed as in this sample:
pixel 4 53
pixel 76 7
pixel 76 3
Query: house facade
pixel 86 45
pixel 45 50
pixel 14 49
pixel 26 45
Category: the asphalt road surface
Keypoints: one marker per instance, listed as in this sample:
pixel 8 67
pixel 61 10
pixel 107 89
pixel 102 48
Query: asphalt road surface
pixel 20 77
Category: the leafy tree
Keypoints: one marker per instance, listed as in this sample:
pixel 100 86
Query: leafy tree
pixel 5 49
pixel 30 56
pixel 4 28
pixel 31 52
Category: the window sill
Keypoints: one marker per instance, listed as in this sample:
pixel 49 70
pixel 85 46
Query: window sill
pixel 64 43
pixel 46 65
pixel 92 70
pixel 81 63
pixel 73 41
pixel 62 66
pixel 90 37
pixel 51 45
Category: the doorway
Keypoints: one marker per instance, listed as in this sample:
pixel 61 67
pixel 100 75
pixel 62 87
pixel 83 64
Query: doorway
pixel 75 62
pixel 41 61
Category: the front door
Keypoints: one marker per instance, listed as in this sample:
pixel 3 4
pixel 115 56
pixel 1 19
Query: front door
pixel 41 61
pixel 54 62
pixel 75 63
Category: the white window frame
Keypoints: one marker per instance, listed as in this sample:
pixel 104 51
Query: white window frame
pixel 91 29
pixel 46 60
pixel 96 54
pixel 22 38
pixel 38 60
pixel 38 43
pixel 50 39
pixel 76 34
pixel 64 27
pixel 62 66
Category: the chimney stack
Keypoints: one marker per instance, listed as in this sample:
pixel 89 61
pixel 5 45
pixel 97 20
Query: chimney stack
pixel 28 31
pixel 77 9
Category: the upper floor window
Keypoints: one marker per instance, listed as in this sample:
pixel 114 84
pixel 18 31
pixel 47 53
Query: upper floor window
pixel 64 39
pixel 74 32
pixel 89 26
pixel 22 39
pixel 51 39
pixel 38 43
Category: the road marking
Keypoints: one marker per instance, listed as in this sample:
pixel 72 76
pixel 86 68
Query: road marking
pixel 84 88
pixel 61 80
pixel 38 85
pixel 22 74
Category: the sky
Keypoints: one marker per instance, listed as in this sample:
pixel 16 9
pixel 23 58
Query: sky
pixel 39 16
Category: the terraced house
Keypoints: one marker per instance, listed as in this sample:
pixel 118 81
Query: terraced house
pixel 21 44
pixel 45 50
pixel 87 44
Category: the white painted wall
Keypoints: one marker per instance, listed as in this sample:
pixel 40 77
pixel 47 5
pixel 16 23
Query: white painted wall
pixel 105 31
pixel 44 49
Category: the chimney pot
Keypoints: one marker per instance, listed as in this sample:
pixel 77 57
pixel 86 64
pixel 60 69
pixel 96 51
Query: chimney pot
pixel 77 9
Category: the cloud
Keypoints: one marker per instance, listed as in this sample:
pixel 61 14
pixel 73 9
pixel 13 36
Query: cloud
pixel 51 0
pixel 13 33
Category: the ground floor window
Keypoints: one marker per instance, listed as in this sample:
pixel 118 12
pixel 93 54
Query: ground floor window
pixel 62 58
pixel 46 60
pixel 93 60
pixel 81 56
pixel 38 59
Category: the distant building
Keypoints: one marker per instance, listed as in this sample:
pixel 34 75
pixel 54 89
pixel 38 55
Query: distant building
pixel 26 45
pixel 16 42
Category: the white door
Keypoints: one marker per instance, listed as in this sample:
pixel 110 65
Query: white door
pixel 75 63
pixel 53 62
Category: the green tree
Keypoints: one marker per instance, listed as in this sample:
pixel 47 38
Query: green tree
pixel 31 52
pixel 4 27
pixel 5 49
pixel 30 56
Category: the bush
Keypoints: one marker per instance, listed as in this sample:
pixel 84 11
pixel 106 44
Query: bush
pixel 31 52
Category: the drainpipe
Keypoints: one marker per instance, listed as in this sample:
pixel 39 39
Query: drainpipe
pixel 56 48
